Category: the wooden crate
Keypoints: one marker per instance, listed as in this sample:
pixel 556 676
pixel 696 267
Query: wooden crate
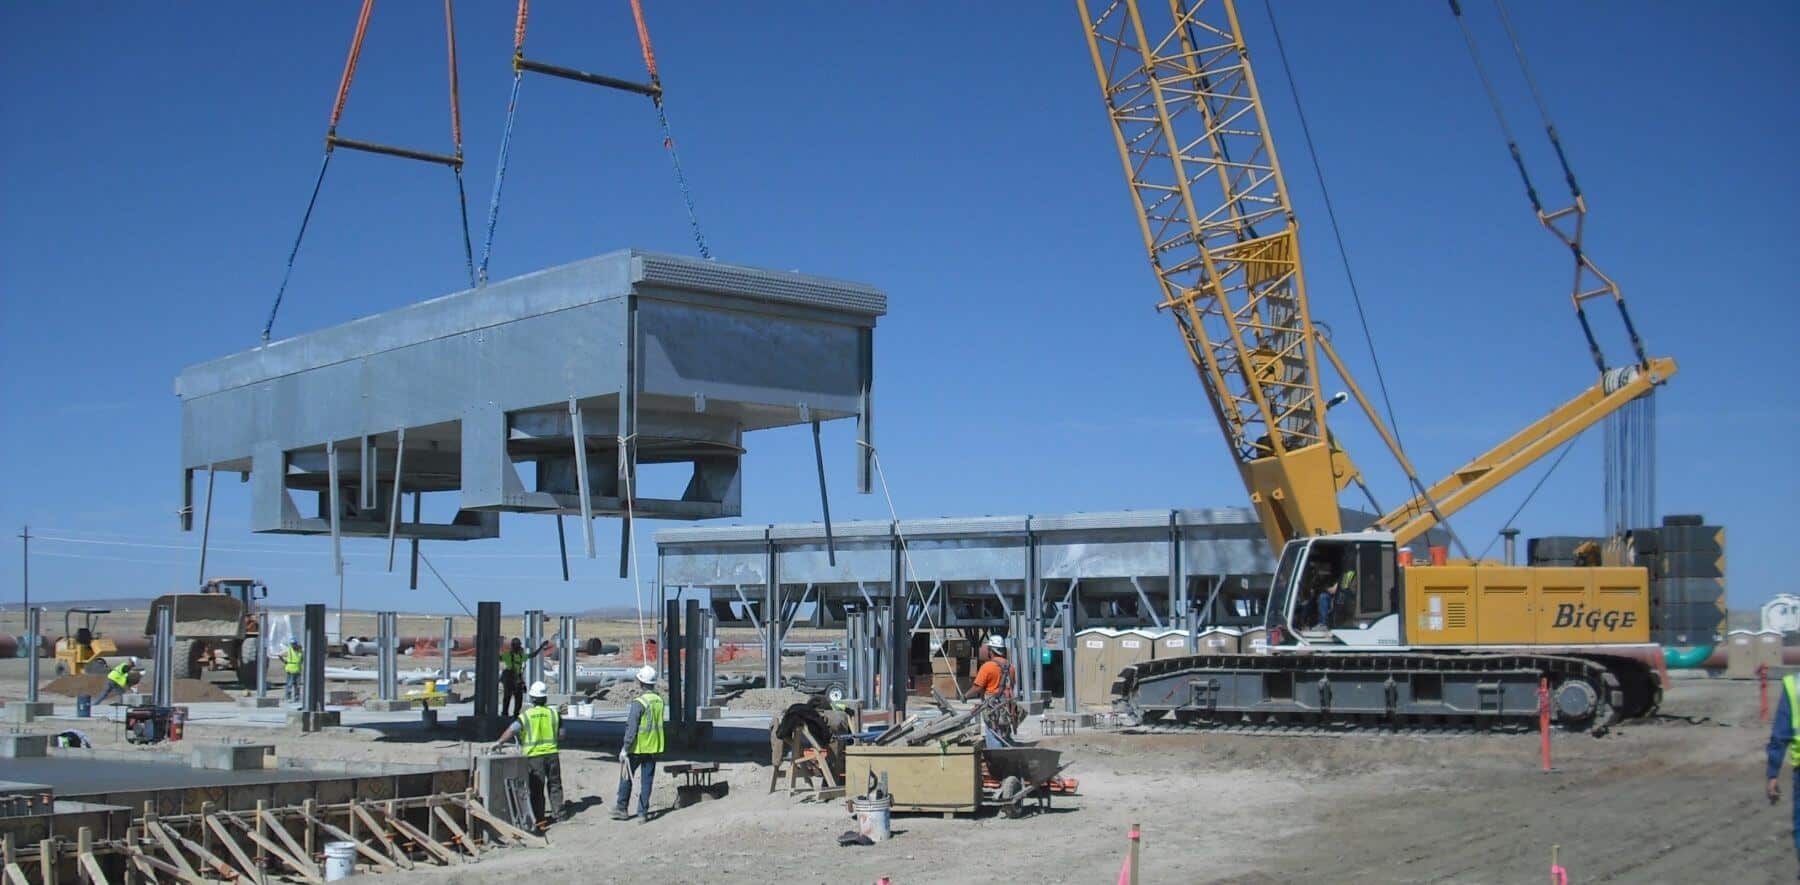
pixel 928 779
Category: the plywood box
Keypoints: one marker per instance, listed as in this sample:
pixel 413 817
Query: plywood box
pixel 935 779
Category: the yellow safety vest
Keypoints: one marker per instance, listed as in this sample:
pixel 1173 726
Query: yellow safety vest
pixel 650 728
pixel 537 730
pixel 290 660
pixel 512 661
pixel 1793 698
pixel 119 675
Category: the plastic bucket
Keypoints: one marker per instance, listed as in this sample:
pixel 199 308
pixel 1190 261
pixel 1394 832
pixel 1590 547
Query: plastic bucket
pixel 872 817
pixel 340 860
pixel 84 705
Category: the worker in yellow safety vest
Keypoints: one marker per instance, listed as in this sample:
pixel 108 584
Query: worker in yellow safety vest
pixel 643 743
pixel 1784 742
pixel 290 665
pixel 512 674
pixel 119 679
pixel 539 728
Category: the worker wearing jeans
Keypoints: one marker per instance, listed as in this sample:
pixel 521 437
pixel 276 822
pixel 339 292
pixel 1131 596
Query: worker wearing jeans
pixel 643 743
pixel 1784 740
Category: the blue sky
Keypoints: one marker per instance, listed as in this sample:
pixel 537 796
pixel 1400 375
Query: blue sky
pixel 956 155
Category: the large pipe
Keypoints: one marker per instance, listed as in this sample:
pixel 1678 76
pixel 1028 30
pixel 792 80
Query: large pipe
pixel 1689 658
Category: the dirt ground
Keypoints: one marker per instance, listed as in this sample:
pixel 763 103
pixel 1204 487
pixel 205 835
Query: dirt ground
pixel 1665 801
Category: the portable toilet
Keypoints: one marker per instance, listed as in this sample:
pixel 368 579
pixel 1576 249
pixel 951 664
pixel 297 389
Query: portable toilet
pixel 1093 667
pixel 1170 644
pixel 1218 640
pixel 1741 660
pixel 1255 641
pixel 1130 647
pixel 1768 650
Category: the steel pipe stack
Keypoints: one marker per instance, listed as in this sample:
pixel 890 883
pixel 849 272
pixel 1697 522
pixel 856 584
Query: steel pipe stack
pixel 565 656
pixel 534 636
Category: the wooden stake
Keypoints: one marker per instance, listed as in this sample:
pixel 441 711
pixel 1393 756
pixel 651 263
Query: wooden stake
pixel 300 854
pixel 306 811
pixel 468 844
pixel 380 832
pixel 47 861
pixel 250 867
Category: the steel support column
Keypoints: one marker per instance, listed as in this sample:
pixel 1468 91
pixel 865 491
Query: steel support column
pixel 534 637
pixel 565 656
pixel 312 656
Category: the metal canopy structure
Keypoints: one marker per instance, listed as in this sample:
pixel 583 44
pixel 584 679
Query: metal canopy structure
pixel 647 359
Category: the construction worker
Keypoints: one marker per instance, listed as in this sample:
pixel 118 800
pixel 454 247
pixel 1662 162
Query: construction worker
pixel 512 674
pixel 119 679
pixel 290 665
pixel 1784 740
pixel 994 681
pixel 643 743
pixel 539 729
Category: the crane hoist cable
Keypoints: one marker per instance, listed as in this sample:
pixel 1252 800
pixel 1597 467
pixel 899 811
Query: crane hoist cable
pixel 652 89
pixel 1572 218
pixel 1350 278
pixel 333 141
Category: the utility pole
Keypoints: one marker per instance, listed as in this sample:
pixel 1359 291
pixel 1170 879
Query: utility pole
pixel 25 571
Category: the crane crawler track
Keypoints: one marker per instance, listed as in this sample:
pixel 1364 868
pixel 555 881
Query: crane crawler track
pixel 1413 692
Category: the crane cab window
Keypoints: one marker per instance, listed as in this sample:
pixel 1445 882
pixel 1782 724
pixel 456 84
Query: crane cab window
pixel 1345 583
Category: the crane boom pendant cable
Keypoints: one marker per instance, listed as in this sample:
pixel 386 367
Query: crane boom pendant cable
pixel 652 88
pixel 333 141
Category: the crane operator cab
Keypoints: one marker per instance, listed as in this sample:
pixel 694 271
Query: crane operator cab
pixel 1339 589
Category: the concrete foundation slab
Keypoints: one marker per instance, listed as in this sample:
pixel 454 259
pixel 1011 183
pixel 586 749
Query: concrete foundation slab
pixel 23 746
pixel 390 706
pixel 231 757
pixel 310 722
pixel 135 699
pixel 26 711
pixel 256 703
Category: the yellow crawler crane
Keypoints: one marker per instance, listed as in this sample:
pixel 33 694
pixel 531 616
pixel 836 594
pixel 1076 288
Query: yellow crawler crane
pixel 1458 643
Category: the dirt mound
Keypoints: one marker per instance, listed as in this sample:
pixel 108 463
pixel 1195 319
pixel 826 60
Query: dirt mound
pixel 770 699
pixel 91 684
pixel 187 691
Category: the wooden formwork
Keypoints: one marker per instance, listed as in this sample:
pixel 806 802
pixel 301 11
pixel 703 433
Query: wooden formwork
pixel 267 843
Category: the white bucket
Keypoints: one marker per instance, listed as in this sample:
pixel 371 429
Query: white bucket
pixel 872 817
pixel 340 860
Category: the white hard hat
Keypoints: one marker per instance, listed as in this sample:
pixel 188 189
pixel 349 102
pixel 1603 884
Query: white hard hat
pixel 538 690
pixel 646 675
pixel 134 660
pixel 995 642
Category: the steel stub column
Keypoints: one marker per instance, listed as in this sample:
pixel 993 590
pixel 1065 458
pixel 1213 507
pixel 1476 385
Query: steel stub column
pixel 534 636
pixel 1016 645
pixel 487 657
pixel 1068 650
pixel 32 644
pixel 694 688
pixel 883 642
pixel 386 662
pixel 312 655
pixel 565 656
pixel 853 646
pixel 262 654
pixel 671 649
pixel 709 650
pixel 448 646
pixel 162 690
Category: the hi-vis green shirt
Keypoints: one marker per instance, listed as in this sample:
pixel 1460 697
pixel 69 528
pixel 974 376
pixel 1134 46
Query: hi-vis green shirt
pixel 537 729
pixel 120 674
pixel 649 726
pixel 290 659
